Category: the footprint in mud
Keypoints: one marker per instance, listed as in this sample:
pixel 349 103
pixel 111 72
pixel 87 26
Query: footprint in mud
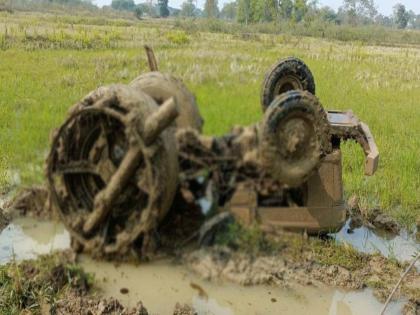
pixel 124 291
pixel 201 292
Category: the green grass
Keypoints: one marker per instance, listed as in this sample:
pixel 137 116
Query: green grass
pixel 42 77
pixel 33 284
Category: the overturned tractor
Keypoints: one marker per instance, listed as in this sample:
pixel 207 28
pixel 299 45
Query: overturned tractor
pixel 130 156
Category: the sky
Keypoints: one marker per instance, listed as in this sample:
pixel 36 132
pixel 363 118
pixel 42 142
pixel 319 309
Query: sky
pixel 384 6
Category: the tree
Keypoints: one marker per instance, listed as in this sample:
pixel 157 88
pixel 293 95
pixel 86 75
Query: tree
pixel 359 11
pixel 138 12
pixel 229 10
pixel 329 15
pixel 188 9
pixel 123 5
pixel 401 16
pixel 244 11
pixel 163 8
pixel 286 9
pixel 299 10
pixel 210 9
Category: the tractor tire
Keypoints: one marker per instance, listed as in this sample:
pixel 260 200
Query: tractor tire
pixel 294 137
pixel 161 87
pixel 101 157
pixel 286 75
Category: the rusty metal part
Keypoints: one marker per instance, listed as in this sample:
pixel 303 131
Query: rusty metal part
pixel 161 87
pixel 346 126
pixel 107 165
pixel 320 210
pixel 151 58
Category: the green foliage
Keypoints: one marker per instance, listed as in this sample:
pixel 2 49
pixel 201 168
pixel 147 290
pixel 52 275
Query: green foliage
pixel 333 254
pixel 244 11
pixel 163 8
pixel 123 5
pixel 188 9
pixel 138 12
pixel 211 9
pixel 177 37
pixel 401 15
pixel 250 240
pixel 30 284
pixel 286 8
pixel 229 10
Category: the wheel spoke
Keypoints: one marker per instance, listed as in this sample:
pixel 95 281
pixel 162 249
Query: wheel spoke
pixel 77 167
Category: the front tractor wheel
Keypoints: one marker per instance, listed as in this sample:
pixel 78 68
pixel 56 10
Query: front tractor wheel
pixel 286 75
pixel 294 137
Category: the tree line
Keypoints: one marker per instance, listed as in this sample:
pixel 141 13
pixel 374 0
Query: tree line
pixel 352 12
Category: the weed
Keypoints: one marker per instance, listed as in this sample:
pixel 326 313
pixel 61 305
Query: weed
pixel 247 239
pixel 177 37
pixel 343 255
pixel 30 284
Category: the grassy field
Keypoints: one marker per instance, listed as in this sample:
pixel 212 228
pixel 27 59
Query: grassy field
pixel 49 62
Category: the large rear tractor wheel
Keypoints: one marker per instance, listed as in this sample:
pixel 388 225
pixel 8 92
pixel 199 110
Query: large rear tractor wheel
pixel 113 169
pixel 161 87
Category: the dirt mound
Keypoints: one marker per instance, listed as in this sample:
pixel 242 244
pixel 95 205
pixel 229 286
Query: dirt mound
pixel 86 306
pixel 31 201
pixel 184 310
pixel 373 218
pixel 412 307
pixel 55 284
pixel 306 264
pixel 4 221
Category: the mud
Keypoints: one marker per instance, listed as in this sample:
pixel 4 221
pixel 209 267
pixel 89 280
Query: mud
pixel 175 282
pixel 307 269
pixel 30 202
pixel 373 218
pixel 293 278
pixel 4 220
pixel 91 305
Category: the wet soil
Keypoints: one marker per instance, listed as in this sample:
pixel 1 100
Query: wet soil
pixel 30 202
pixel 372 218
pixel 281 269
pixel 4 221
pixel 218 280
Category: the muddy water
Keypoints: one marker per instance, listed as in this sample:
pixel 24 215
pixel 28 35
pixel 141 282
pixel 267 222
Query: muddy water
pixel 26 238
pixel 162 284
pixel 402 247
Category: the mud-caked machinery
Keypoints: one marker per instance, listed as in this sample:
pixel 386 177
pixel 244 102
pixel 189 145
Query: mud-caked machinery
pixel 130 162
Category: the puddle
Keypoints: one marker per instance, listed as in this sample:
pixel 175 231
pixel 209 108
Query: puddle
pixel 26 238
pixel 162 284
pixel 402 247
pixel 153 283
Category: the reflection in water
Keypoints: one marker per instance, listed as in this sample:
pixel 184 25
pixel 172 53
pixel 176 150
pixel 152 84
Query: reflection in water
pixel 27 238
pixel 162 284
pixel 403 247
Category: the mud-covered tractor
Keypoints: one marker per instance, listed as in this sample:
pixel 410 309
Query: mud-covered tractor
pixel 130 162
